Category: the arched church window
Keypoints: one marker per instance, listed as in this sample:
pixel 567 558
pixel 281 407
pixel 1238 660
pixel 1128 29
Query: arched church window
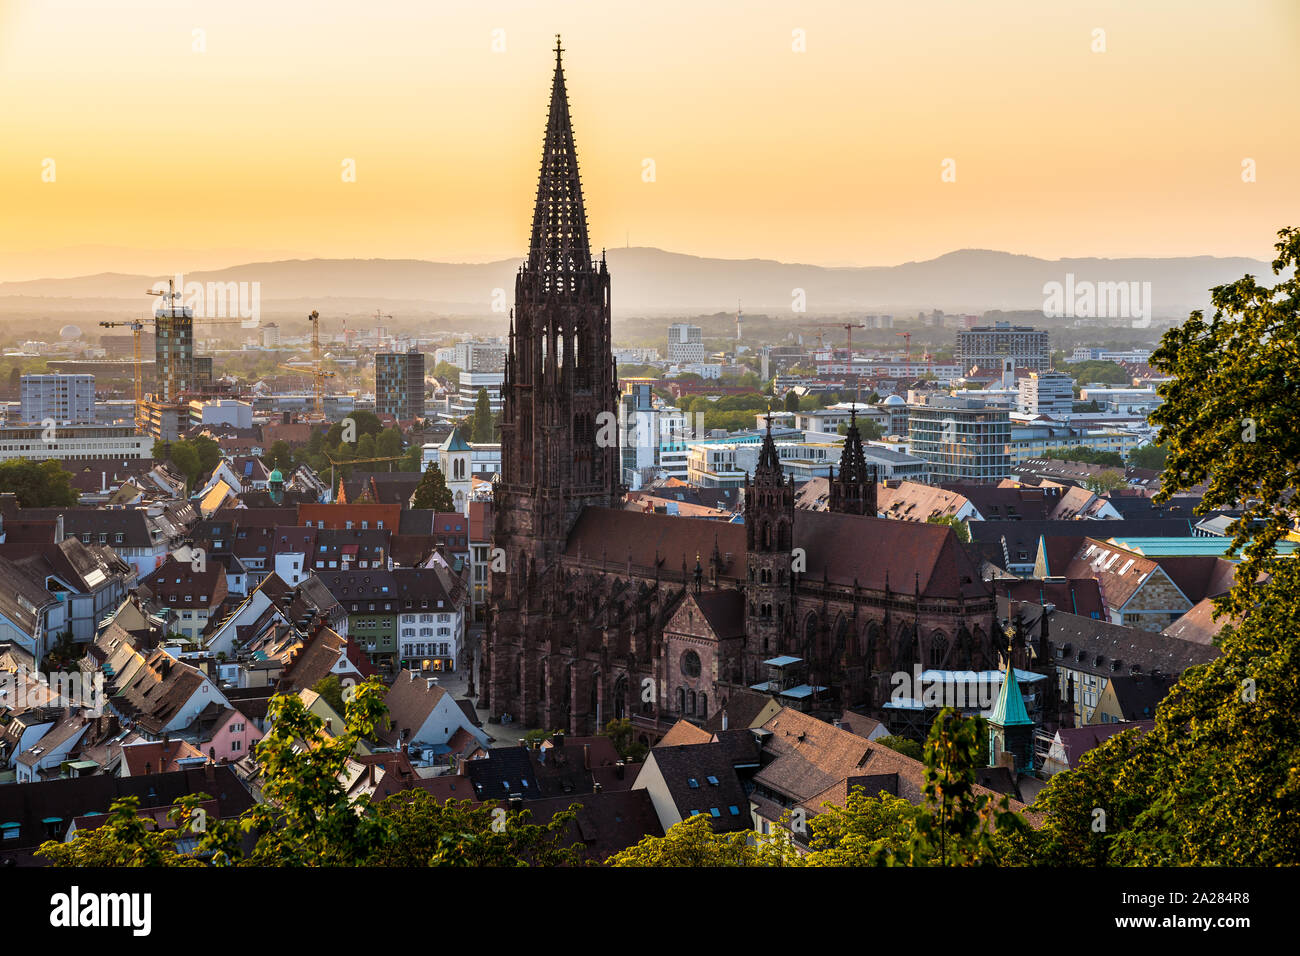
pixel 938 650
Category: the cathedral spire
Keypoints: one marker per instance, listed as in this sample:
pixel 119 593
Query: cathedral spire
pixel 769 463
pixel 559 249
pixel 853 490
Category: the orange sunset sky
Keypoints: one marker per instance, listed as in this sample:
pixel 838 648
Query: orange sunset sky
pixel 234 152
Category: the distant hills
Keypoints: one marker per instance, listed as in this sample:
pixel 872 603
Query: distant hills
pixel 648 281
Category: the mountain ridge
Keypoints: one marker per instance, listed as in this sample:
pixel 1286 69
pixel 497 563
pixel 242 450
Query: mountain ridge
pixel 652 280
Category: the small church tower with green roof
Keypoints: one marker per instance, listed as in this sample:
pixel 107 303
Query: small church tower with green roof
pixel 1011 731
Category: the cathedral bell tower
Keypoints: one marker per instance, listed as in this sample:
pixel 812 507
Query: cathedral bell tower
pixel 559 386
pixel 769 537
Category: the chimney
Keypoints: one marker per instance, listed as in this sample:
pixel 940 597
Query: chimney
pixel 724 718
pixel 557 739
pixel 596 787
pixel 210 772
pixel 411 675
pixel 58 529
pixel 371 774
pixel 586 756
pixel 523 743
pixel 619 769
pixel 429 682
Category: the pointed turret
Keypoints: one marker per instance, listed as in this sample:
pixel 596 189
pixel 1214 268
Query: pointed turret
pixel 853 490
pixel 769 462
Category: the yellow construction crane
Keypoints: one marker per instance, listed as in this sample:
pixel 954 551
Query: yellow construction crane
pixel 318 374
pixel 136 328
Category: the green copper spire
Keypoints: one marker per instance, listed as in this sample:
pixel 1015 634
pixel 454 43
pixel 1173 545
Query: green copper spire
pixel 1010 708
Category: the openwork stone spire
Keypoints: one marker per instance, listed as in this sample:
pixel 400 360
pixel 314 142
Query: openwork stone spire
pixel 853 490
pixel 559 250
pixel 769 463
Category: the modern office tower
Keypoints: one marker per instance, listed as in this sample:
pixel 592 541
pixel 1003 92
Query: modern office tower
pixel 987 345
pixel 399 384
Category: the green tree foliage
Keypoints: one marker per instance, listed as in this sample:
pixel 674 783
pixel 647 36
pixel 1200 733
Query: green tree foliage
pixel 482 423
pixel 1230 410
pixel 623 736
pixel 1091 456
pixel 1105 482
pixel 693 843
pixel 127 839
pixel 904 745
pixel 389 443
pixel 365 423
pixel 1215 782
pixel 37 484
pixel 1105 373
pixel 866 831
pixel 1149 456
pixel 868 428
pixel 185 457
pixel 413 460
pixel 791 401
pixel 957 525
pixel 637 371
pixel 446 372
pixel 956 824
pixel 422 832
pixel 331 689
pixel 209 452
pixel 432 491
pixel 308 819
pixel 279 455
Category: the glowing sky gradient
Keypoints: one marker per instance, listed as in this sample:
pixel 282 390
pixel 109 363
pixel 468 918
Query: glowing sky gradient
pixel 830 156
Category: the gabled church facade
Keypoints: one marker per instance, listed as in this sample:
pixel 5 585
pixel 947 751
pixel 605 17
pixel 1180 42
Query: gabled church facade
pixel 604 613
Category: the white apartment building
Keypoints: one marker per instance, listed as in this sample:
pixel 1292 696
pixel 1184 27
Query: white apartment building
pixel 1046 393
pixel 466 398
pixel 61 397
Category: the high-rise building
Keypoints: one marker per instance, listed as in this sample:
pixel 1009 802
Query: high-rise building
pixel 962 439
pixel 399 384
pixel 987 345
pixel 173 349
pixel 685 343
pixel 63 398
